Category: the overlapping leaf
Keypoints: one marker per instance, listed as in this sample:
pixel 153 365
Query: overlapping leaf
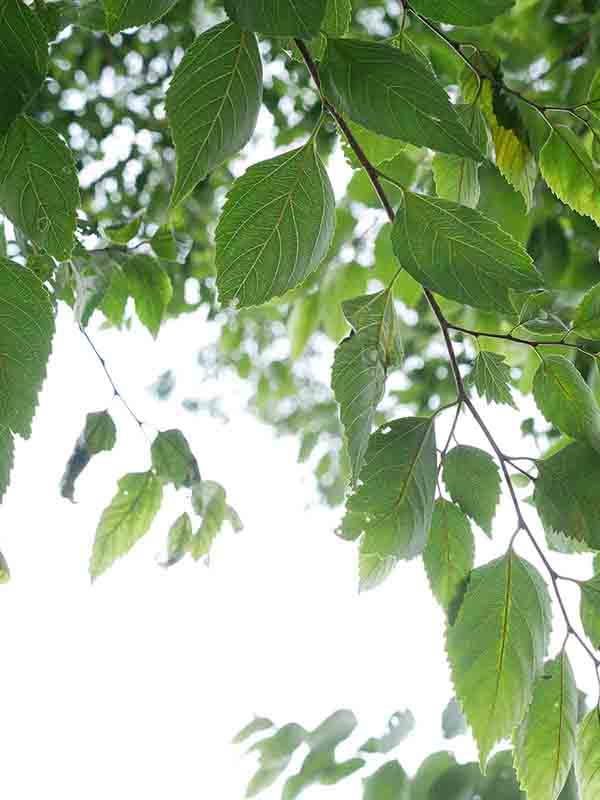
pixel 457 178
pixel 173 460
pixel 590 609
pixel 279 17
pixel 497 647
pixel 565 400
pixel 463 12
pixel 450 552
pixel 122 14
pixel 472 478
pixel 456 251
pixel 389 782
pixel 545 741
pixel 276 227
pixel 360 368
pixel 394 94
pixel 39 190
pixel 491 378
pixel 127 518
pixel 23 59
pixel 179 540
pixel 338 14
pixel 213 103
pixel 99 435
pixel 588 756
pixel 587 317
pixel 151 288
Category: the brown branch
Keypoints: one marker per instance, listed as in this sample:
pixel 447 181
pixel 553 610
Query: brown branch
pixel 445 327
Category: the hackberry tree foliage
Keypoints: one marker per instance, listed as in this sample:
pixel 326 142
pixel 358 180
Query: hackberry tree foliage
pixel 456 270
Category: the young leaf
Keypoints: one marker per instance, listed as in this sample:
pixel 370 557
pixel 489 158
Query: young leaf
pixel 570 173
pixel 497 646
pixel 276 227
pixel 463 12
pixel 450 552
pixel 279 17
pixel 589 609
pixel 257 725
pixel 397 488
pixel 151 287
pixel 473 480
pixel 39 190
pixel 373 569
pixel 210 501
pixel 588 756
pixel 122 14
pixel 453 720
pixel 173 460
pixel 400 725
pixel 23 59
pixel 565 400
pixel 360 368
pixel 491 378
pixel 587 317
pixel 566 493
pixel 213 103
pixel 338 14
pixel 545 741
pixel 392 93
pixel 99 435
pixel 389 782
pixel 457 178
pixel 180 537
pixel 127 518
pixel 456 251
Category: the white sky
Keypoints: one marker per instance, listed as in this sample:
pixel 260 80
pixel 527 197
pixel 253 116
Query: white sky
pixel 133 687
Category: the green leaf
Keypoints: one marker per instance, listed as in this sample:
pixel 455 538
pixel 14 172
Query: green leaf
pixel 373 569
pixel 457 178
pixel 151 288
pixel 127 518
pixel 99 435
pixel 500 781
pixel 545 741
pixel 571 790
pixel 463 12
pixel 338 14
pixel 590 609
pixel 4 570
pixel 275 755
pixel 180 537
pixel 319 767
pixel 26 331
pixel 257 725
pixel 210 501
pixel 450 552
pixel 377 148
pixel 570 173
pixel 213 103
pixel 279 17
pixel 124 231
pixel 588 756
pixel 453 720
pixel 23 59
pixel 389 782
pixel 360 368
pixel 39 189
pixel 173 460
pixel 491 378
pixel 440 778
pixel 122 14
pixel 400 725
pixel 587 316
pixel 396 492
pixel 394 94
pixel 276 227
pixel 473 480
pixel 332 731
pixel 565 400
pixel 170 245
pixel 497 646
pixel 566 493
pixel 456 251
pixel 303 322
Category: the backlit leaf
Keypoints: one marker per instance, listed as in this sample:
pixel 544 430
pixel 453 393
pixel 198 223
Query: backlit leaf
pixel 99 435
pixel 587 317
pixel 450 552
pixel 173 460
pixel 150 285
pixel 473 480
pixel 590 609
pixel 210 501
pixel 180 537
pixel 497 646
pixel 338 14
pixel 491 378
pixel 275 229
pixel 122 14
pixel 588 756
pixel 463 12
pixel 457 178
pixel 279 17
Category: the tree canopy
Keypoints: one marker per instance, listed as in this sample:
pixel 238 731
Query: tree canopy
pixel 411 187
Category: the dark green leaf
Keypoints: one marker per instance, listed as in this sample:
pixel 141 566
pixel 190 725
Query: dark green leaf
pixel 213 103
pixel 497 647
pixel 123 232
pixel 590 609
pixel 456 251
pixel 122 14
pixel 275 755
pixel 491 378
pixel 39 189
pixel 473 480
pixel 275 229
pixel 151 288
pixel 450 552
pixel 127 518
pixel 500 782
pixel 565 400
pixel 279 17
pixel 457 178
pixel 587 317
pixel 392 93
pixel 173 460
pixel 463 12
pixel 453 720
pixel 7 458
pixel 545 741
pixel 99 435
pixel 389 782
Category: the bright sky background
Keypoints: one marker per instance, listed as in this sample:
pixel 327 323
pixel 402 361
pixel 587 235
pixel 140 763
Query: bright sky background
pixel 134 687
